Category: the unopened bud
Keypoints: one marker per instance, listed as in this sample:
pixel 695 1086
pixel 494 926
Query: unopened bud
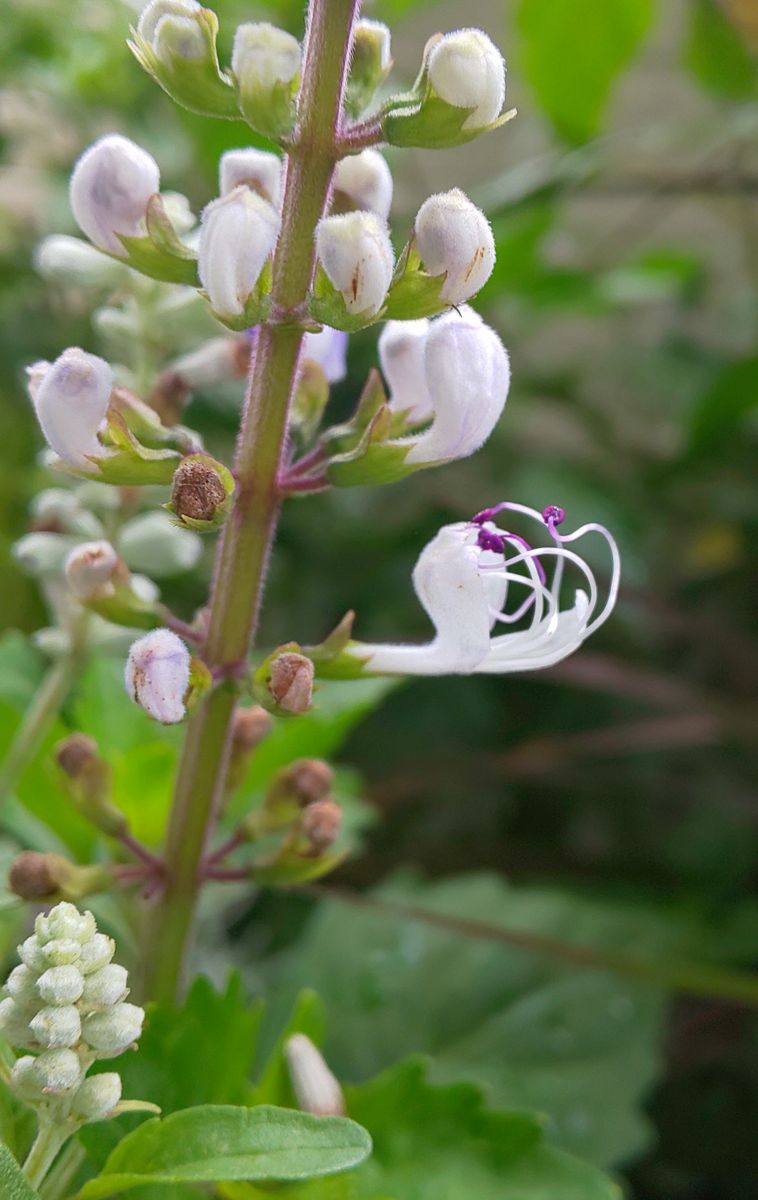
pixel 32 876
pixel 157 675
pixel 96 953
pixel 74 263
pixel 454 238
pixel 363 181
pixel 356 255
pixel 256 169
pixel 25 1079
pixel 97 1097
pixel 157 10
pixel 310 779
pixel 57 1071
pixel 316 1088
pixel 41 554
pixel 249 727
pixel 237 235
pixel 55 1028
pixel 61 952
pixel 65 921
pixel 200 490
pixel 266 65
pixel 402 346
pixel 61 511
pixel 291 682
pixel 370 63
pixel 71 404
pixel 90 568
pixel 14 1026
pixel 21 985
pixel 60 985
pixel 321 823
pixel 75 753
pixel 175 41
pixel 467 70
pixel 115 1029
pixel 110 187
pixel 105 987
pixel 151 543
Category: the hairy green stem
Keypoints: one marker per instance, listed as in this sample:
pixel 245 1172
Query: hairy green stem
pixel 248 533
pixel 44 1151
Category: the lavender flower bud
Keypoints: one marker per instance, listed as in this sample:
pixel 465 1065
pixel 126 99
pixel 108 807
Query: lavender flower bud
pixel 328 349
pixel 55 1028
pixel 115 1029
pixel 60 985
pixel 364 180
pixel 237 235
pixel 97 1097
pixel 402 346
pixel 256 169
pixel 110 187
pixel 291 682
pixel 467 70
pixel 454 238
pixel 57 1071
pixel 71 404
pixel 90 568
pixel 105 987
pixel 316 1089
pixel 356 254
pixel 157 675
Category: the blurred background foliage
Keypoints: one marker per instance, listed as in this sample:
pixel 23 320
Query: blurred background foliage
pixel 616 792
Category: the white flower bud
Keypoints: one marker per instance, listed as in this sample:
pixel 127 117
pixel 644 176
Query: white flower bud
pixel 376 35
pixel 96 953
pixel 154 12
pixel 315 1087
pixel 467 70
pixel 64 510
pixel 110 187
pixel 238 233
pixel 356 254
pixel 256 169
pixel 402 347
pixel 157 675
pixel 105 987
pixel 71 404
pixel 97 1097
pixel 60 952
pixel 70 261
pixel 328 349
pixel 115 1029
pixel 89 570
pixel 24 1079
pixel 41 554
pixel 32 955
pixel 454 238
pixel 60 985
pixel 65 921
pixel 21 985
pixel 35 373
pixel 366 180
pixel 153 544
pixel 263 56
pixel 57 1027
pixel 57 1071
pixel 13 1024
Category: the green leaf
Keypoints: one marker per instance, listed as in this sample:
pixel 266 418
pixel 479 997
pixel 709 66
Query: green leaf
pixel 716 54
pixel 13 1183
pixel 21 670
pixel 307 1017
pixel 572 52
pixel 212 1143
pixel 724 405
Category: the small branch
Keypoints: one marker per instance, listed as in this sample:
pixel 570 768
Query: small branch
pixel 361 135
pixel 308 462
pixel 225 874
pixel 140 852
pixel 289 485
pixel 190 633
pixel 226 848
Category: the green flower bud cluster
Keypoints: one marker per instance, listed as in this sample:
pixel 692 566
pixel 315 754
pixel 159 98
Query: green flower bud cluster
pixel 66 1002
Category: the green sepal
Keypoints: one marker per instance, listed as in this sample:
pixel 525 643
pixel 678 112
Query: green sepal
pixel 160 253
pixel 347 435
pixel 135 1106
pixel 431 122
pixel 292 868
pixel 125 607
pixel 200 683
pixel 374 460
pixel 310 400
pixel 257 306
pixel 366 71
pixel 197 84
pixel 269 111
pixel 413 293
pixel 129 463
pixel 144 422
pixel 327 306
pixel 331 657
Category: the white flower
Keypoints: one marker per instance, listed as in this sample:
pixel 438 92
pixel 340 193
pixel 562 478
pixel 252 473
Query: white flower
pixel 89 569
pixel 256 169
pixel 263 56
pixel 356 254
pixel 315 1087
pixel 402 346
pixel 366 180
pixel 157 675
pixel 454 238
pixel 154 12
pixel 71 403
pixel 328 349
pixel 467 70
pixel 474 577
pixel 237 235
pixel 467 377
pixel 110 187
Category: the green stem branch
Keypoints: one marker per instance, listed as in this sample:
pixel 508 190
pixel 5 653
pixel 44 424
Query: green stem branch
pixel 44 1151
pixel 37 722
pixel 248 533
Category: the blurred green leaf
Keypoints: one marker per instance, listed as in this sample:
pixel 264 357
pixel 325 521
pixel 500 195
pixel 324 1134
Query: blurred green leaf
pixel 13 1182
pixel 722 408
pixel 573 51
pixel 716 54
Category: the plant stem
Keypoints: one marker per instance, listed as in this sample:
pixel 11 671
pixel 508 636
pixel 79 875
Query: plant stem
pixel 44 1151
pixel 37 721
pixel 247 536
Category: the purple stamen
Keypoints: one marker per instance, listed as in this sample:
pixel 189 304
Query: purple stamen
pixel 488 514
pixel 487 540
pixel 553 515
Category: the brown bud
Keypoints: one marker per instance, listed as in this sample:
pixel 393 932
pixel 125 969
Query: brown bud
pixel 321 823
pixel 75 753
pixel 310 778
pixel 32 876
pixel 249 727
pixel 291 682
pixel 197 490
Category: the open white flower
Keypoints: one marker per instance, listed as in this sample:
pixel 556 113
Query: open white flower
pixel 71 399
pixel 475 577
pixel 110 187
pixel 157 675
pixel 401 348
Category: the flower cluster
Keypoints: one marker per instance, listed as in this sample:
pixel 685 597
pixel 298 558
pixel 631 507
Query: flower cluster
pixel 66 1003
